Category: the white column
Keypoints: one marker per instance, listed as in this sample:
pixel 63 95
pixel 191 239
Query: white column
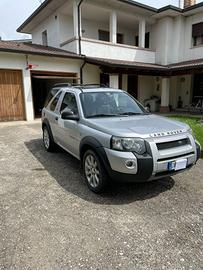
pixel 29 108
pixel 113 27
pixel 165 86
pixel 114 81
pixel 142 27
pixel 76 25
pixel 125 82
pixel 75 18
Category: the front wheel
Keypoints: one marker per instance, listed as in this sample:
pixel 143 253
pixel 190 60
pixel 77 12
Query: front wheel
pixel 94 172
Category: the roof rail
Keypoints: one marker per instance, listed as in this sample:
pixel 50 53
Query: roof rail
pixel 80 85
pixel 93 85
pixel 62 84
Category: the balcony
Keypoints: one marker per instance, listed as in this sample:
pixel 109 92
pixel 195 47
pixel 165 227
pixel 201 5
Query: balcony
pixel 106 32
pixel 108 50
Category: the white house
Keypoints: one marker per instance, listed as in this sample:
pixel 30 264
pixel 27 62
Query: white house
pixel 143 50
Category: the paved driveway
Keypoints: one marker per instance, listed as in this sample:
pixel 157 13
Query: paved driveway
pixel 50 220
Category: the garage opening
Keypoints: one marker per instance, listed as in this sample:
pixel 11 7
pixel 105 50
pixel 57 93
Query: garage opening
pixel 42 82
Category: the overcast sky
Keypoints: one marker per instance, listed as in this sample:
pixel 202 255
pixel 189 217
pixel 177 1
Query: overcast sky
pixel 14 12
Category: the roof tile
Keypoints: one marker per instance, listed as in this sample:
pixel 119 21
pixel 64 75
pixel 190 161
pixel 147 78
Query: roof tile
pixel 30 48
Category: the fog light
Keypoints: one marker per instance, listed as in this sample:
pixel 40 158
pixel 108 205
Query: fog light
pixel 130 164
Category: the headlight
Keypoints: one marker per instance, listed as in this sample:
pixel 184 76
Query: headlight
pixel 129 144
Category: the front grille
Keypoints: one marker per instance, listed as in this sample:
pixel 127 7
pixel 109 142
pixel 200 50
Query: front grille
pixel 173 144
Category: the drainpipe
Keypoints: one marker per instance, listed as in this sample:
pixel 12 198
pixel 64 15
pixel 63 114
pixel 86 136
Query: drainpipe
pixel 79 25
pixel 81 72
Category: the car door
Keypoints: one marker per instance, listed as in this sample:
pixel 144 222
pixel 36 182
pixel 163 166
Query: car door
pixel 68 130
pixel 53 114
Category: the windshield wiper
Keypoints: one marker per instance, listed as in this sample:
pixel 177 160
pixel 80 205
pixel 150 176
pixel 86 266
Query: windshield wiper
pixel 101 115
pixel 131 113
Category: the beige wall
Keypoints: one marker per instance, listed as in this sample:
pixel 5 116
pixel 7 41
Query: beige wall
pixel 146 87
pixel 179 86
pixel 91 74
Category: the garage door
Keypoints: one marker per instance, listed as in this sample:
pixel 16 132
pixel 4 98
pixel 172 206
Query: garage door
pixel 11 95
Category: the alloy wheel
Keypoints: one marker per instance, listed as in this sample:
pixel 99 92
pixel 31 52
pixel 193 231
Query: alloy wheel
pixel 92 171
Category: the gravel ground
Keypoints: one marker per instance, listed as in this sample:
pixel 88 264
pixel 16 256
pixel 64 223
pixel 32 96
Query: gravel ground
pixel 50 220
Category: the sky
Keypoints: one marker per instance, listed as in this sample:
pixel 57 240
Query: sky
pixel 14 12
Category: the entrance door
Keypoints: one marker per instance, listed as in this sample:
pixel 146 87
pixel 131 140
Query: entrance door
pixel 198 87
pixel 133 85
pixel 11 95
pixel 104 79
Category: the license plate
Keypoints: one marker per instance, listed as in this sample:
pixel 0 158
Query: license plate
pixel 177 165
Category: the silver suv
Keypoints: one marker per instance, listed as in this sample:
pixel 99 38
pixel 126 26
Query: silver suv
pixel 114 137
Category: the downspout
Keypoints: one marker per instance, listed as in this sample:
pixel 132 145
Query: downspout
pixel 81 72
pixel 79 25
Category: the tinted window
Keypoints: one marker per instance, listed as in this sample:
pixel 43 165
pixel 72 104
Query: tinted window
pixel 54 102
pixel 69 102
pixel 197 34
pixel 147 40
pixel 104 35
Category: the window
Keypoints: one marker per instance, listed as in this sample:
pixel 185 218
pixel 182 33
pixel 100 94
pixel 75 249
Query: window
pixel 50 95
pixel 105 36
pixel 109 104
pixel 197 34
pixel 137 41
pixel 69 102
pixel 104 79
pixel 44 38
pixel 120 38
pixel 54 102
pixel 147 39
pixel 147 36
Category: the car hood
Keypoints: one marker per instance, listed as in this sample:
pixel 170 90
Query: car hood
pixel 142 125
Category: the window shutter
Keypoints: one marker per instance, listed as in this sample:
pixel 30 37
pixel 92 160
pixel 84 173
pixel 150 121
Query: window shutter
pixel 197 30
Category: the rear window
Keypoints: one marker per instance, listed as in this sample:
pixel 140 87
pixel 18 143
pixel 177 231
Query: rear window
pixel 50 95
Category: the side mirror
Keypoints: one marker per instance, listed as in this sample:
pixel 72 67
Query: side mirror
pixel 69 115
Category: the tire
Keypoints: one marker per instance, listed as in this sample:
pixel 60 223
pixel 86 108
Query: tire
pixel 48 142
pixel 94 172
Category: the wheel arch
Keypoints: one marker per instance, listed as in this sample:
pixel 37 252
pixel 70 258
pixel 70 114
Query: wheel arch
pixel 90 143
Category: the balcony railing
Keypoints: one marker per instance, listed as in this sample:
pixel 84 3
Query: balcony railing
pixel 108 50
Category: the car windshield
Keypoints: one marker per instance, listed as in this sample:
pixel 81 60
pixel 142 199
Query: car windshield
pixel 110 104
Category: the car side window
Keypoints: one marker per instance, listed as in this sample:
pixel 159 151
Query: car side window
pixel 54 102
pixel 50 95
pixel 69 102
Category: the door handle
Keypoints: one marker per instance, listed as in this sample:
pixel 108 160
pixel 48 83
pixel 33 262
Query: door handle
pixel 56 118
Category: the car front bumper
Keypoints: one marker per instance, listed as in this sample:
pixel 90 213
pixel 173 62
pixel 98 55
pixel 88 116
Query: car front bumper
pixel 153 165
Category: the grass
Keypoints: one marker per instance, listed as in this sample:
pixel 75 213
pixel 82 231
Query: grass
pixel 195 124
